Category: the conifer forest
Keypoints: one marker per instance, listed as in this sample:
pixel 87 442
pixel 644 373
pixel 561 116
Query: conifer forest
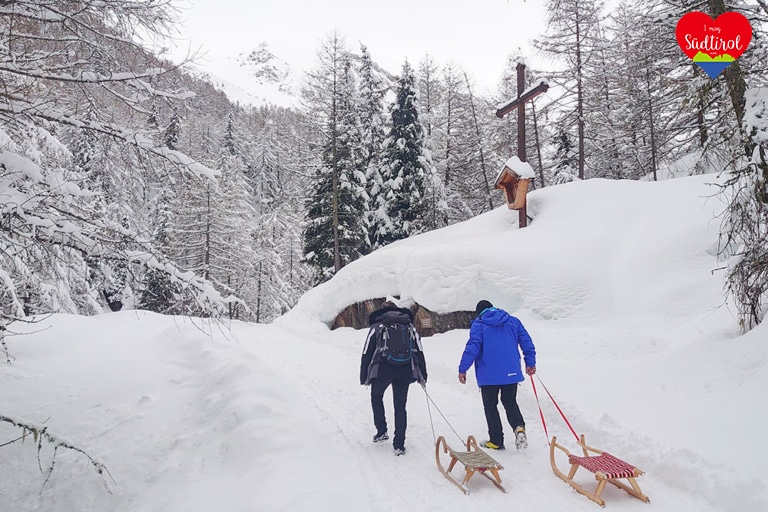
pixel 130 181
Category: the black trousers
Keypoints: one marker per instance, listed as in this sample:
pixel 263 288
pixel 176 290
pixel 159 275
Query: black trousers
pixel 400 378
pixel 490 396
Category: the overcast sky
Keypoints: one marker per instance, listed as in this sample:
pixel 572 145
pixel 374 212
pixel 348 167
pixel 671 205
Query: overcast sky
pixel 478 37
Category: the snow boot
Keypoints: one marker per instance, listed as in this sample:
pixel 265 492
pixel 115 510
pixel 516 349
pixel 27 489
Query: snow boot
pixel 380 437
pixel 521 440
pixel 492 446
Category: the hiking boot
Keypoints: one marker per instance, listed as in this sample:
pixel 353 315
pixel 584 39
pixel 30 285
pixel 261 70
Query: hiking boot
pixel 521 440
pixel 400 451
pixel 380 437
pixel 492 446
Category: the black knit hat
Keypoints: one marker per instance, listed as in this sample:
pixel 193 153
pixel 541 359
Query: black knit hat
pixel 482 305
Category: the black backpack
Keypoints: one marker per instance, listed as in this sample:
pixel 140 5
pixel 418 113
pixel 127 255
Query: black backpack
pixel 394 343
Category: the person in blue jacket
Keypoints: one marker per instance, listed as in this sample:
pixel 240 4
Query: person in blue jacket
pixel 495 341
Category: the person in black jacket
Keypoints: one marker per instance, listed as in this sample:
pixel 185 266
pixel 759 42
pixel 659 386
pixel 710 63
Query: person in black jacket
pixel 379 369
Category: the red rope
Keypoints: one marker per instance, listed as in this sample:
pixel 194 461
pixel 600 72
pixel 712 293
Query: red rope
pixel 541 413
pixel 557 406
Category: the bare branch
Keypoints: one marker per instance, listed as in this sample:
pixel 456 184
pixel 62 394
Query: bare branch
pixel 40 432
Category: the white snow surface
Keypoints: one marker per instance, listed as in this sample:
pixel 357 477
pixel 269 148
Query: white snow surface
pixel 616 282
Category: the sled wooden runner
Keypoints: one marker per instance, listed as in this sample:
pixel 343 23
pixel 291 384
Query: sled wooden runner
pixel 606 468
pixel 474 461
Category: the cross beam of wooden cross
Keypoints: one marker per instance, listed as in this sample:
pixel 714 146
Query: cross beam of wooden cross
pixel 526 96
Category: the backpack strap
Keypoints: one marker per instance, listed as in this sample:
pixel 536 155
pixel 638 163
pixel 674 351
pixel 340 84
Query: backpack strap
pixel 379 335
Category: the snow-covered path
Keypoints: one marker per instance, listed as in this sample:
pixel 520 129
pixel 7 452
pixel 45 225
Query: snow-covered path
pixel 259 419
pixel 632 335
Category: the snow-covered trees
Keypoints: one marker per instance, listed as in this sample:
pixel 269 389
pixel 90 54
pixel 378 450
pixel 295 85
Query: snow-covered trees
pixel 107 157
pixel 212 223
pixel 278 190
pixel 745 227
pixel 335 233
pixel 372 135
pixel 406 168
pixel 565 159
pixel 75 64
pixel 157 291
pixel 572 36
pixel 100 151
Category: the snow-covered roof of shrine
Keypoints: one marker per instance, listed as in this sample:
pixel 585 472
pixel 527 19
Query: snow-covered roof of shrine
pixel 522 169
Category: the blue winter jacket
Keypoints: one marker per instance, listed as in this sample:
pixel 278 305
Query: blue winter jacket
pixel 493 344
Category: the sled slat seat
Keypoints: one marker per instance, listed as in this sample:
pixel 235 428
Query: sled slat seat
pixel 606 464
pixel 478 460
pixel 474 461
pixel 606 467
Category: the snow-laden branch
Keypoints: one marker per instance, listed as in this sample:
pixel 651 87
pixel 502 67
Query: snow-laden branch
pixel 38 212
pixel 136 138
pixel 15 303
pixel 744 236
pixel 756 113
pixel 81 77
pixel 205 294
pixel 40 432
pixel 78 15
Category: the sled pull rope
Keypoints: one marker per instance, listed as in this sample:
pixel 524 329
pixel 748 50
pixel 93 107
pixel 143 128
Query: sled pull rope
pixel 429 399
pixel 429 411
pixel 556 406
pixel 541 413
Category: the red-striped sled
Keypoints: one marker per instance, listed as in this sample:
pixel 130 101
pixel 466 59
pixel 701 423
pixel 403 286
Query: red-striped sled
pixel 606 468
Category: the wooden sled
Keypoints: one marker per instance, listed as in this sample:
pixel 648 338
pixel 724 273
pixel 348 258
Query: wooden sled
pixel 606 468
pixel 474 460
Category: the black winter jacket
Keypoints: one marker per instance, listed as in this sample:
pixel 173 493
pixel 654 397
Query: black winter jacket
pixel 369 365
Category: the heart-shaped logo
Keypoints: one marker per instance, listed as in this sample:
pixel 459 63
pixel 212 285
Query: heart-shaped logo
pixel 713 44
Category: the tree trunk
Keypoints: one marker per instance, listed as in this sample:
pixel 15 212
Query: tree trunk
pixel 701 107
pixel 579 95
pixel 650 118
pixel 737 86
pixel 335 179
pixel 258 294
pixel 229 306
pixel 209 213
pixel 479 142
pixel 538 145
pixel 448 149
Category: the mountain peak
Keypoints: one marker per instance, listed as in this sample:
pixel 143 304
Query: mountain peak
pixel 264 66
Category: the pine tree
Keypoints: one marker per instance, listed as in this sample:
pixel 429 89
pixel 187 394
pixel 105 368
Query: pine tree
pixel 373 133
pixel 211 233
pixel 406 168
pixel 335 233
pixel 173 131
pixel 565 159
pixel 641 124
pixel 479 181
pixel 158 292
pixel 573 30
pixel 431 97
pixel 278 276
pixel 455 151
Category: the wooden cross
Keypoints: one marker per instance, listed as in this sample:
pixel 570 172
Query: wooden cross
pixel 519 104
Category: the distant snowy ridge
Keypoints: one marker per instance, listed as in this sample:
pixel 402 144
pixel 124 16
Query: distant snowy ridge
pixel 255 77
pixel 265 67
